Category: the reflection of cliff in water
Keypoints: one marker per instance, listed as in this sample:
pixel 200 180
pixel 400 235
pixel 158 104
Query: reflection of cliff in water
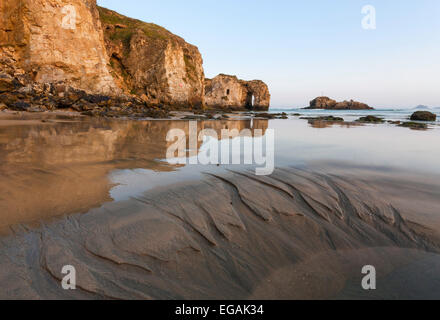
pixel 55 168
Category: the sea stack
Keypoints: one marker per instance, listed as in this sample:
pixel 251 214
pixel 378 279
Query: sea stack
pixel 227 91
pixel 330 104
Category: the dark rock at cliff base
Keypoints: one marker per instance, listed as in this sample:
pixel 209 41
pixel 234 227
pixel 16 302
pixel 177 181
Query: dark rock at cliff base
pixel 20 106
pixel 370 119
pixel 330 104
pixel 423 116
pixel 49 97
pixel 6 82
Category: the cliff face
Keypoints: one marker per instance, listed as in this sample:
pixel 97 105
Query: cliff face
pixel 54 52
pixel 152 62
pixel 48 41
pixel 225 91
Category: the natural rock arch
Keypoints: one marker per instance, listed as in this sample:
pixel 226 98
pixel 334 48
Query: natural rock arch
pixel 226 91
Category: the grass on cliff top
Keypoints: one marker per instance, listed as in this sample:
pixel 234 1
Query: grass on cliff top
pixel 151 30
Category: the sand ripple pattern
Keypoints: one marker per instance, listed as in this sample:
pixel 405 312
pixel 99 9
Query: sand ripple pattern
pixel 295 234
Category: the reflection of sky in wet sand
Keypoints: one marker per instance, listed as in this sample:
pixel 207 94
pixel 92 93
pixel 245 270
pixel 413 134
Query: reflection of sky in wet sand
pixel 51 169
pixel 375 145
pixel 299 143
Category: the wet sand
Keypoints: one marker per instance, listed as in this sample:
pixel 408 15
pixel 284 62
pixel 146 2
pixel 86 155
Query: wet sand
pixel 298 234
pixel 305 232
pixel 61 166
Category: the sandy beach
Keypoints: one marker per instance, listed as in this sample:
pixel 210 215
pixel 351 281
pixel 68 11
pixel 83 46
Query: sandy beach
pixel 101 198
pixel 298 234
pixel 219 159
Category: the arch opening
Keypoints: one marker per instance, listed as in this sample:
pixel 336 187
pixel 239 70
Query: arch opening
pixel 250 100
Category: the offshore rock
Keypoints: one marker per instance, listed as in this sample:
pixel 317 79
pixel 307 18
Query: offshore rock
pixel 226 91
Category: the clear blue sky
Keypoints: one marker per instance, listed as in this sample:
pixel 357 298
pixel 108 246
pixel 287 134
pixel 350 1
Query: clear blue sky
pixel 306 48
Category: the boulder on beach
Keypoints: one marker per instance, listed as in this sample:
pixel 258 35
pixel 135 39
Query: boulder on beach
pixel 423 116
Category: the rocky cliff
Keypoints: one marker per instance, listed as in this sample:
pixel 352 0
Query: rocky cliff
pixel 152 62
pixel 49 41
pixel 64 53
pixel 226 91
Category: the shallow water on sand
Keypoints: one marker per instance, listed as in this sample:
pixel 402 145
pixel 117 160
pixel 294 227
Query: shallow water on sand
pixel 342 196
pixel 64 165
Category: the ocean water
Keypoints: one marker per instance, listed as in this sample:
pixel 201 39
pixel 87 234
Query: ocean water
pixel 351 115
